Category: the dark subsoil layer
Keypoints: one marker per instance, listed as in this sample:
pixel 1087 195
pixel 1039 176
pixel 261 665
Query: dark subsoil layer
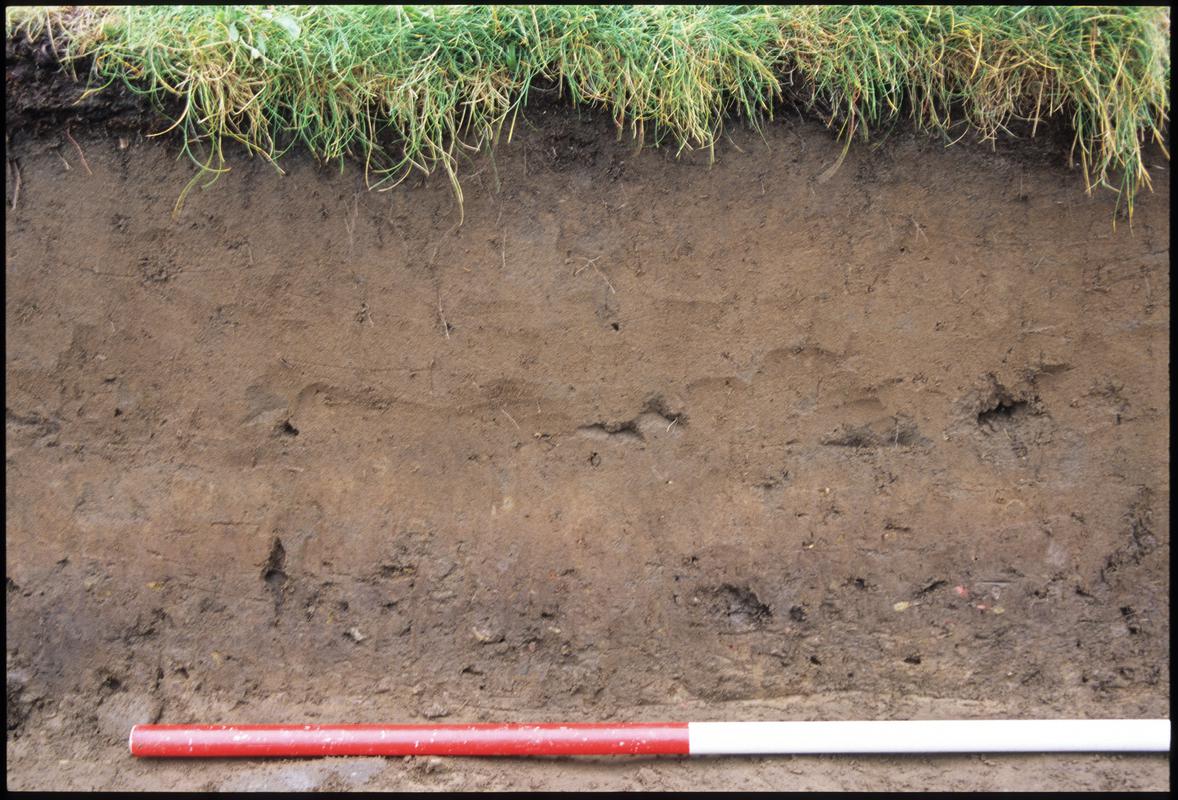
pixel 641 439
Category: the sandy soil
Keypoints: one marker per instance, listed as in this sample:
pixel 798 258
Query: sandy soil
pixel 641 439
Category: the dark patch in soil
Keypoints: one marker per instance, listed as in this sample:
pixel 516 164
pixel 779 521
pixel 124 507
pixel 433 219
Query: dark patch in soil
pixel 739 606
pixel 897 431
pixel 274 573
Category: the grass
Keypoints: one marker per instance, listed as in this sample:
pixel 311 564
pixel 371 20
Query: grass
pixel 342 81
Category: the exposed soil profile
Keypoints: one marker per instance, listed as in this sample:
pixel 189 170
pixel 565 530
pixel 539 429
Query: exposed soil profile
pixel 641 439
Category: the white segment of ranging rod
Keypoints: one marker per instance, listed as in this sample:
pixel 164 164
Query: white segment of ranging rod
pixel 931 736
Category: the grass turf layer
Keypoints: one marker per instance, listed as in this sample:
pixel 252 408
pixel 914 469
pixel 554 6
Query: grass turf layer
pixel 442 79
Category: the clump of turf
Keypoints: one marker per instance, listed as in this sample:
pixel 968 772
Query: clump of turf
pixel 442 79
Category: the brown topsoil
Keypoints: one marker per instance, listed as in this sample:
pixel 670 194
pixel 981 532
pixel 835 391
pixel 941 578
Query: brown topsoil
pixel 641 439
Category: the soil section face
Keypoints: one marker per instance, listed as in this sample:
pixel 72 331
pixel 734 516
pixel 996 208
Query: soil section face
pixel 640 439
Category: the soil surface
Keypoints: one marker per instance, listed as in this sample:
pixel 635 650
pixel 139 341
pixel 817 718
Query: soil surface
pixel 640 439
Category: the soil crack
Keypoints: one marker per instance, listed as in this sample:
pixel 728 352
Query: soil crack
pixel 655 414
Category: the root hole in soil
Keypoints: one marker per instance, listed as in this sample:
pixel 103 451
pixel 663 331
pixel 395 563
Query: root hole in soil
pixel 1006 410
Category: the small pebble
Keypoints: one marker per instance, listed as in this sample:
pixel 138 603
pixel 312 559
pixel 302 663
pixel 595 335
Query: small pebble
pixel 486 635
pixel 435 711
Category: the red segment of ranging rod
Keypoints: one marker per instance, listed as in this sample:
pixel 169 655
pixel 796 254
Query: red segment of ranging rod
pixel 480 739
